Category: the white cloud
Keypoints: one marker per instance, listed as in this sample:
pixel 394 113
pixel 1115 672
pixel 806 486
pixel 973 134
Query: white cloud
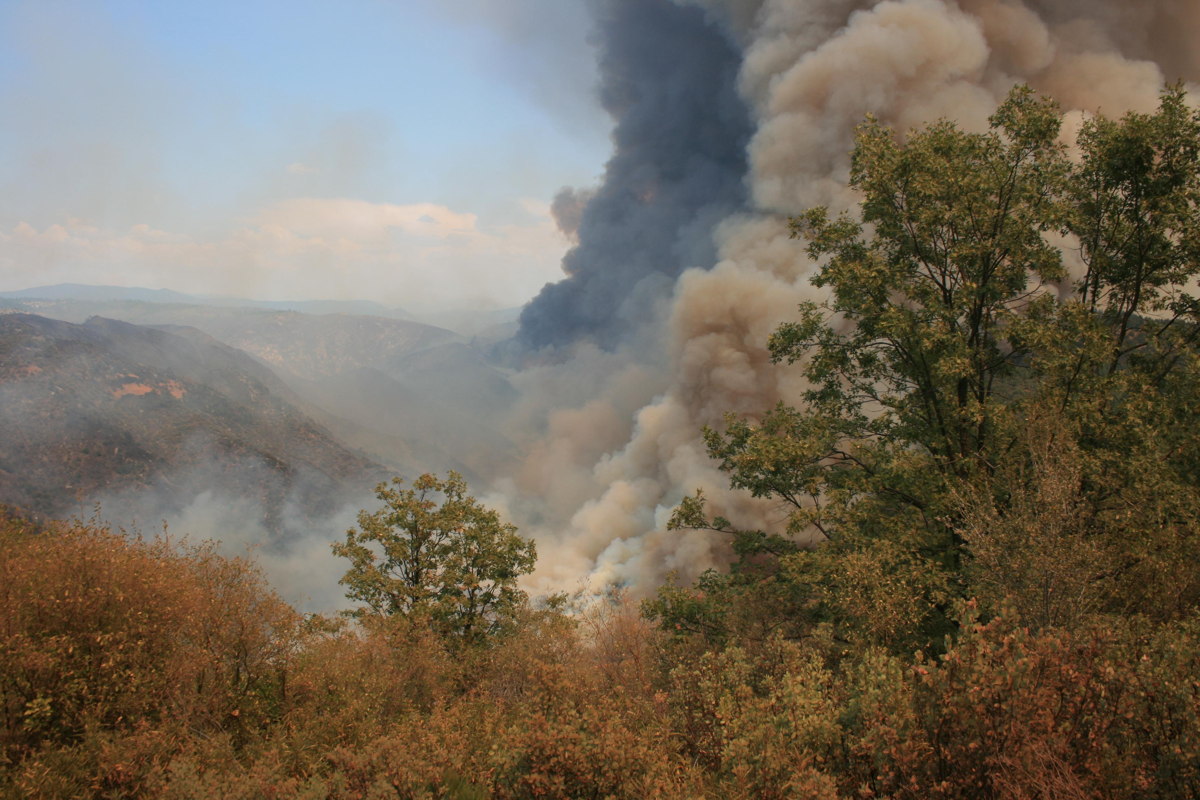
pixel 420 255
pixel 360 220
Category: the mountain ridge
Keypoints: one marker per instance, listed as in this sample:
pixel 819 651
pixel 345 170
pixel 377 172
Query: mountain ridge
pixel 107 407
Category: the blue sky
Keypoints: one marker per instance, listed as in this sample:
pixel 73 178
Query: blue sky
pixel 401 150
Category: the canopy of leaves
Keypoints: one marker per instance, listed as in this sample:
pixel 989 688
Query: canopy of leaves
pixel 136 669
pixel 994 284
pixel 433 551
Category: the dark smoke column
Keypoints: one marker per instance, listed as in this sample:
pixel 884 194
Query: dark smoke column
pixel 669 80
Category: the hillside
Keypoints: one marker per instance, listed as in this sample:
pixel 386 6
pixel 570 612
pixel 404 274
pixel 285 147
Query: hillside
pixel 413 396
pixel 295 342
pixel 107 407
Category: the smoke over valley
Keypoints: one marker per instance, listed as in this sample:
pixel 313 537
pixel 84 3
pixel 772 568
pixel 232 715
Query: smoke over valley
pixel 578 416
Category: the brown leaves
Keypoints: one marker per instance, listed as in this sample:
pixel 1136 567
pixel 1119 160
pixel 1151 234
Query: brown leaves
pixel 105 635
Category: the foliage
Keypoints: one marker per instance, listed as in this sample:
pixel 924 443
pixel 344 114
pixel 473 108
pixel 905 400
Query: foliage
pixel 452 561
pixel 994 284
pixel 595 705
pixel 957 249
pixel 113 648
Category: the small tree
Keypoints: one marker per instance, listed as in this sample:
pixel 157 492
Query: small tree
pixel 452 561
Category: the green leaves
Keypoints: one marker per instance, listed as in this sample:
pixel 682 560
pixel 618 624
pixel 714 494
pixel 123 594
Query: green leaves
pixel 1135 208
pixel 433 551
pixel 914 333
pixel 950 328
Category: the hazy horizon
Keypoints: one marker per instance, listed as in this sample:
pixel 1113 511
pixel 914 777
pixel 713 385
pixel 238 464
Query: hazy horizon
pixel 7 291
pixel 406 154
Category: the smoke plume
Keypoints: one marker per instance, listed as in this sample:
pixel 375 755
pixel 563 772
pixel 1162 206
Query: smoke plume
pixel 669 78
pixel 808 71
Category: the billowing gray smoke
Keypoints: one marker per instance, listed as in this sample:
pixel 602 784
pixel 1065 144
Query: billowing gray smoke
pixel 669 79
pixel 810 71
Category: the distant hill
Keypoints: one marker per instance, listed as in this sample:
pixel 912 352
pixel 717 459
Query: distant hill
pixel 79 291
pixel 76 300
pixel 85 293
pixel 303 344
pixel 396 420
pixel 488 326
pixel 412 396
pixel 107 409
pixel 309 345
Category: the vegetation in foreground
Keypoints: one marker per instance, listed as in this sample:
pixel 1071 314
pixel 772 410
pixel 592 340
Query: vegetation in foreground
pixel 998 456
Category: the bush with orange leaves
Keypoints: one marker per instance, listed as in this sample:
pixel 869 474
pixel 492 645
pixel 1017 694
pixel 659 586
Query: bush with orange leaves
pixel 1110 710
pixel 559 708
pixel 132 668
pixel 115 650
pixel 1006 713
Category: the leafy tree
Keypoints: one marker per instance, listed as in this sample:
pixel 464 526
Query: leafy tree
pixel 432 550
pixel 1135 209
pixel 952 320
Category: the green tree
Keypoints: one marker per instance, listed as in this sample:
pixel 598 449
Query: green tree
pixel 951 320
pixel 432 550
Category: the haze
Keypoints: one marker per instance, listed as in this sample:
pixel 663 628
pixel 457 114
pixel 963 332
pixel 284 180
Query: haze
pixel 405 152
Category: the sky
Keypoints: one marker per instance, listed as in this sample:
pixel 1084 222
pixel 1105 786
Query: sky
pixel 402 151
